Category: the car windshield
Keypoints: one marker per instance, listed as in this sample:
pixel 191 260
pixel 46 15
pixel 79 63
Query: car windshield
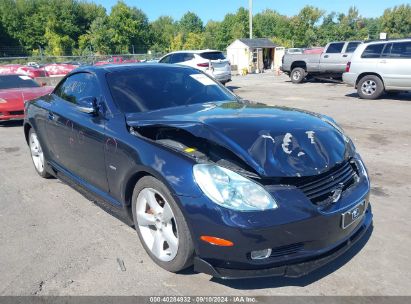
pixel 212 55
pixel 16 81
pixel 153 88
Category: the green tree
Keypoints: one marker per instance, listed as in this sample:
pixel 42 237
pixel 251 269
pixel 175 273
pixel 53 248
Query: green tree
pixel 190 23
pixel 129 27
pixel 211 31
pixel 303 26
pixel 177 43
pixel 194 41
pixel 163 31
pixel 99 37
pixel 397 21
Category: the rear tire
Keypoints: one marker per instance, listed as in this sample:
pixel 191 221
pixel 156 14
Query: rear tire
pixel 370 87
pixel 297 75
pixel 161 226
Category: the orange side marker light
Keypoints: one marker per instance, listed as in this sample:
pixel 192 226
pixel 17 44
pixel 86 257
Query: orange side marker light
pixel 216 241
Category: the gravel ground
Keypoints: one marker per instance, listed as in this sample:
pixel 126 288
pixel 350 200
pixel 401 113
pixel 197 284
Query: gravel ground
pixel 56 242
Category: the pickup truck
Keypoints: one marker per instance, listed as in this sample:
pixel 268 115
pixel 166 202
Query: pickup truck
pixel 330 63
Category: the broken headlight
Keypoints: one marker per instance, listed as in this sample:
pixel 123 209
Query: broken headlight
pixel 229 189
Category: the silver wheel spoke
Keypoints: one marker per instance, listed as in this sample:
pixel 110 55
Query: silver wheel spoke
pixel 156 224
pixel 167 213
pixel 171 239
pixel 152 202
pixel 145 219
pixel 36 153
pixel 158 244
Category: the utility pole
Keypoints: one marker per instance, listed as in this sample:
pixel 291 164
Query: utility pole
pixel 251 17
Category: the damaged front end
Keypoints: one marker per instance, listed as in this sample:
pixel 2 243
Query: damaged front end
pixel 272 146
pixel 200 149
pixel 304 162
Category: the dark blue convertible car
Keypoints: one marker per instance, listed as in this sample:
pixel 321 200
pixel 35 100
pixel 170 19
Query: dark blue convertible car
pixel 237 188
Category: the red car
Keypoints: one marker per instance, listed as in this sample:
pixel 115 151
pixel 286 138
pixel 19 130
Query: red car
pixel 22 70
pixel 116 60
pixel 58 69
pixel 14 91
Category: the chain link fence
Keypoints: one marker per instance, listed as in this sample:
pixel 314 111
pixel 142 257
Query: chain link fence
pixel 79 60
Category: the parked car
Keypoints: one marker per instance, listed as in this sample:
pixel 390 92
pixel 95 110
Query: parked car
pixel 378 67
pixel 211 62
pixel 330 63
pixel 14 91
pixel 116 60
pixel 19 69
pixel 237 188
pixel 58 69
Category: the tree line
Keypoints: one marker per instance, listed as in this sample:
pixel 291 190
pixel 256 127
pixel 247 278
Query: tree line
pixel 80 27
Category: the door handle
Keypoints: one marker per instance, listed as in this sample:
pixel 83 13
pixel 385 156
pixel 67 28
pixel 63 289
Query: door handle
pixel 326 56
pixel 383 61
pixel 51 116
pixel 345 55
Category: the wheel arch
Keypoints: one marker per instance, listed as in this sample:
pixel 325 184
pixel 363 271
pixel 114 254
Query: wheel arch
pixel 299 64
pixel 362 75
pixel 27 127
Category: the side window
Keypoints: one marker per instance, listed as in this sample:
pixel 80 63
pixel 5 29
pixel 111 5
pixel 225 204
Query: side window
pixel 387 50
pixel 178 57
pixel 188 57
pixel 373 51
pixel 401 50
pixel 335 48
pixel 352 46
pixel 76 87
pixel 166 59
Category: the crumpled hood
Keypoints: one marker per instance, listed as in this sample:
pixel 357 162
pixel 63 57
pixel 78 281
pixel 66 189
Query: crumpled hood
pixel 274 141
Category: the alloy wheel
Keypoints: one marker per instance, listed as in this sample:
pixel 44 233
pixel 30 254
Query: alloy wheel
pixel 369 87
pixel 296 75
pixel 36 153
pixel 157 224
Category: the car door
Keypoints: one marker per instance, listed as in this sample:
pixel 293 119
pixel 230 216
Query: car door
pixel 78 138
pixel 332 61
pixel 395 65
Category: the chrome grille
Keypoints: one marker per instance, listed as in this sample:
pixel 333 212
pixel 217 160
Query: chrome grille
pixel 319 189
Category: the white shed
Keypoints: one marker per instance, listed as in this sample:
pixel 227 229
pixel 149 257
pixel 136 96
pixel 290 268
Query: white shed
pixel 252 54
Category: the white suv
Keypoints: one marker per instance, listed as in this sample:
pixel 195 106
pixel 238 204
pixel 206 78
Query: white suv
pixel 211 62
pixel 378 67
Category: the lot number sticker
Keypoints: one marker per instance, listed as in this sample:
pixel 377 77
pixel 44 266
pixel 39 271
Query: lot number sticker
pixel 203 79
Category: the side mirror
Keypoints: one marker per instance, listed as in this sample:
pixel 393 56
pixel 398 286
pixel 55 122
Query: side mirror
pixel 88 105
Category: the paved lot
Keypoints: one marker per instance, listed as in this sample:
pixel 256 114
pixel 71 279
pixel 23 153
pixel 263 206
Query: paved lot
pixel 53 241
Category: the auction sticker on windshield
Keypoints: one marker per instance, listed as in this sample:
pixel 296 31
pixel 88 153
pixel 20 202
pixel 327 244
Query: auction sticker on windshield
pixel 203 79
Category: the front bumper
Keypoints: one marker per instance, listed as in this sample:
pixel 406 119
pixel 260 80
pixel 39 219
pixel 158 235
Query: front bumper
pixel 11 111
pixel 292 270
pixel 297 232
pixel 11 115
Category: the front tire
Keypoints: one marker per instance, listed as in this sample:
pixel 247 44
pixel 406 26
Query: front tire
pixel 298 75
pixel 370 87
pixel 161 226
pixel 37 155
